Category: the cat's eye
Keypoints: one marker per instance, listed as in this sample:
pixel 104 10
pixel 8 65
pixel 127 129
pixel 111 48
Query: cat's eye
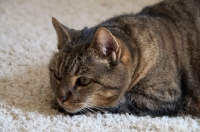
pixel 83 81
pixel 57 75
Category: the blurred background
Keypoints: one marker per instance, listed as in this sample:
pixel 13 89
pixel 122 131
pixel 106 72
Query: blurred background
pixel 26 26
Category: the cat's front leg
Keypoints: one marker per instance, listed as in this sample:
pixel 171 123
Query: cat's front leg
pixel 156 98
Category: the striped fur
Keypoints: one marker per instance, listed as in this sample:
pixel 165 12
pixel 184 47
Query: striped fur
pixel 143 64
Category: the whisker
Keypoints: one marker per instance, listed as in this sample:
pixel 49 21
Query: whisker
pixel 96 107
pixel 82 112
pixel 86 111
pixel 91 110
pixel 100 109
pixel 90 107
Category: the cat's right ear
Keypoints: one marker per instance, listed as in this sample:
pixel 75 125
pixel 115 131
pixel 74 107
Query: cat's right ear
pixel 64 33
pixel 107 44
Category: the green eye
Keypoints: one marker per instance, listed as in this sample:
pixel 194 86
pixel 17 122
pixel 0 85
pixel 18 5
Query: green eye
pixel 83 81
pixel 57 75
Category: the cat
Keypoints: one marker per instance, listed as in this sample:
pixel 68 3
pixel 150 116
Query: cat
pixel 143 64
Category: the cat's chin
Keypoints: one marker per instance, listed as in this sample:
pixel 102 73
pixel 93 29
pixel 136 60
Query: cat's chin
pixel 72 111
pixel 79 111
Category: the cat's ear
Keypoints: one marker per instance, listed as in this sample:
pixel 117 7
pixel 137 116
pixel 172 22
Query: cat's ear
pixel 64 33
pixel 107 43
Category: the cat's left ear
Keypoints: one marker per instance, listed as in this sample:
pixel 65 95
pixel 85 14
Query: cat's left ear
pixel 107 44
pixel 64 34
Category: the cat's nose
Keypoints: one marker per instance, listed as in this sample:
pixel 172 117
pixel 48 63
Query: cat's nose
pixel 62 99
pixel 63 96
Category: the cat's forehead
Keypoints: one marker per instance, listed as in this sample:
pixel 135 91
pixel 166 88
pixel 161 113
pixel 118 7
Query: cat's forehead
pixel 72 59
pixel 79 43
pixel 85 36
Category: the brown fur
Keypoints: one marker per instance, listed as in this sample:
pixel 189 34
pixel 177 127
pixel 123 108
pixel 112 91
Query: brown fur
pixel 143 64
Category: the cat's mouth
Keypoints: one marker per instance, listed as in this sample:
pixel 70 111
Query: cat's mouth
pixel 73 111
pixel 81 108
pixel 69 108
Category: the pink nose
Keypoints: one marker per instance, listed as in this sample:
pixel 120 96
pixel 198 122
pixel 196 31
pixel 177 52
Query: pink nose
pixel 64 96
pixel 62 99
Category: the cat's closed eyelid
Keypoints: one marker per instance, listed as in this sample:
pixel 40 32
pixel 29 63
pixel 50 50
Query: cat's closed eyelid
pixel 57 75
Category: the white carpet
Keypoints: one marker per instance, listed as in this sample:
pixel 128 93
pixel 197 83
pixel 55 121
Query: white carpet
pixel 27 41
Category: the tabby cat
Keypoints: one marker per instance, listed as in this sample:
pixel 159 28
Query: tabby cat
pixel 143 64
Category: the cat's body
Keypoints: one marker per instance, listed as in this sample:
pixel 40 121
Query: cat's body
pixel 144 64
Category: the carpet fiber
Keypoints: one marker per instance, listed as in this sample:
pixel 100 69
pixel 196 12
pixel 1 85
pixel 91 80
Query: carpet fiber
pixel 27 42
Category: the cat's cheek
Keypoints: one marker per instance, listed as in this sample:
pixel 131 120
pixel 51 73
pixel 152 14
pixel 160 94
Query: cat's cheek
pixel 108 98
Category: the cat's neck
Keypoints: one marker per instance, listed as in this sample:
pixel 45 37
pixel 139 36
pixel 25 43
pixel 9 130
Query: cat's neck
pixel 145 53
pixel 140 50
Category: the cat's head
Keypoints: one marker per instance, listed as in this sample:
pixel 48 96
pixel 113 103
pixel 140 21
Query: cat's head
pixel 90 69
